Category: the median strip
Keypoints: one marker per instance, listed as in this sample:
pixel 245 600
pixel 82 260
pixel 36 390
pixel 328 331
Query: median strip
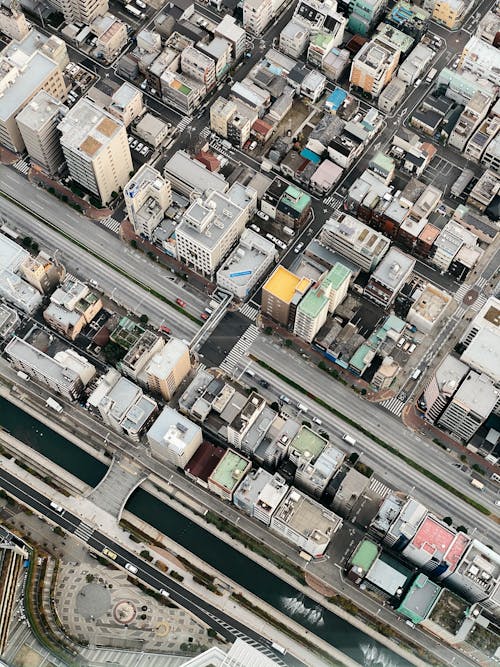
pixel 430 475
pixel 116 268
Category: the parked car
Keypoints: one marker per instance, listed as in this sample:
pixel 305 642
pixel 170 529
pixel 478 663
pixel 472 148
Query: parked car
pixel 204 316
pixel 264 383
pixel 145 150
pixel 165 329
pixel 180 303
pixel 298 247
pixel 255 228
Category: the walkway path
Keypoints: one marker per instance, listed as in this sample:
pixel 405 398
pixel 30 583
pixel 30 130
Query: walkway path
pixel 114 490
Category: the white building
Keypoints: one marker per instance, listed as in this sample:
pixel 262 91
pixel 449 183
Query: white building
pixel 229 30
pixel 416 62
pixel 270 498
pixel 428 309
pixel 256 15
pixel 481 59
pixel 168 368
pixel 147 196
pixel 247 264
pixel 389 277
pixel 294 39
pixel 174 438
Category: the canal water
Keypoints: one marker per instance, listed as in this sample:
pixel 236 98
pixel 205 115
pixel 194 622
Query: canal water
pixel 206 546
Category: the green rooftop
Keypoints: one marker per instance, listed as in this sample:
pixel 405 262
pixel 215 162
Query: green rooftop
pixel 127 333
pixel 365 554
pixel 362 357
pixel 420 599
pixel 383 161
pixel 313 303
pixel 336 276
pixel 322 39
pixel 308 441
pixel 296 199
pixel 230 470
pixel 395 37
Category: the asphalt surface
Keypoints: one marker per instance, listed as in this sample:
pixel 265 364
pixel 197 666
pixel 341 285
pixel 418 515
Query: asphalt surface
pixel 224 624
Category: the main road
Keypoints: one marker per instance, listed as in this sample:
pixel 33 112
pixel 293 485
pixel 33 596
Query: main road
pixel 391 469
pixel 93 242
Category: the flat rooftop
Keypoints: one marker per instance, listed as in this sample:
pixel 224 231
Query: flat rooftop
pixel 88 128
pixel 307 517
pixel 284 284
pixel 308 443
pixel 230 470
pixel 42 108
pixel 365 555
pixel 433 537
pixel 26 353
pixel 204 460
pixel 420 598
pixel 483 353
pixel 193 174
pixel 11 254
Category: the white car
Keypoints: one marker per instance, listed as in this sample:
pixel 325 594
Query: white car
pixel 131 568
pixel 130 140
pixel 262 215
pixel 317 420
pixel 255 228
pixel 165 593
pixel 298 247
pixel 145 150
pixel 56 507
pixel 139 147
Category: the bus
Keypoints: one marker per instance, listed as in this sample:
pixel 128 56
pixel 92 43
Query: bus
pixel 50 403
pixel 134 11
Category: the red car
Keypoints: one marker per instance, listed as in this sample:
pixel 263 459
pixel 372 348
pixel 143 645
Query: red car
pixel 165 329
pixel 181 303
pixel 204 316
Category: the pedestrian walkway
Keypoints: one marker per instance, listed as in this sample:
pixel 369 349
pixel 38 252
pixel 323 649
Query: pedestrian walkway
pixel 334 201
pixel 84 531
pixel 114 490
pixel 249 311
pixel 481 282
pixel 380 488
pixel 240 349
pixel 22 166
pixel 110 223
pixel 479 303
pixel 461 292
pixel 459 312
pixel 204 133
pixel 394 405
pixel 184 122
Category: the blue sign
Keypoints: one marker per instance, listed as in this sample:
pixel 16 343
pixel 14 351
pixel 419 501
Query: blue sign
pixel 240 273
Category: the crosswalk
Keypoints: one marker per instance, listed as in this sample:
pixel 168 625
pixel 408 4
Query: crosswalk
pixel 204 133
pixel 111 224
pixel 84 531
pixel 479 303
pixel 459 312
pixel 249 311
pixel 183 123
pixel 481 282
pixel 380 488
pixel 394 405
pixel 239 350
pixel 334 201
pixel 22 166
pixel 461 292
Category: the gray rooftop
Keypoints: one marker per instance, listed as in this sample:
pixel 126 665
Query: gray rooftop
pixel 29 355
pixel 194 174
pixel 393 268
pixel 42 108
pixel 11 254
pixel 478 394
pixel 88 128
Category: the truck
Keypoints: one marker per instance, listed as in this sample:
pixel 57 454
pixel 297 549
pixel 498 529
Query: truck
pixel 476 483
pixel 289 231
pixel 50 403
pixel 134 11
pixel 302 407
pixel 279 648
pixel 349 439
pixel 22 375
pixel 416 374
pixel 431 75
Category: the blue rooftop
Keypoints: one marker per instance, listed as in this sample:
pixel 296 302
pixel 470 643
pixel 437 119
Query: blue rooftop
pixel 335 99
pixel 310 155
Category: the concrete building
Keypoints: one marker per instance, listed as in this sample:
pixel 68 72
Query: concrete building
pixel 482 138
pixel 168 368
pixel 450 13
pixel 9 321
pixel 397 520
pixel 416 63
pixel 12 559
pixel 363 15
pixel 84 11
pixel 139 355
pixel 72 306
pixel 228 474
pixel 470 406
pixel 42 272
pixel 24 71
pixel 293 207
pixel 281 295
pixel 314 477
pixel 44 369
pixel 373 67
pixel 13 23
pixel 210 229
pixel 351 488
pixel 269 499
pixel 294 39
pixel 477 575
pixel 152 129
pixel 96 149
pixel 419 600
pixel 256 15
pixel 482 341
pixel 38 123
pixel 470 119
pixel 229 30
pixel 127 103
pixel 239 426
pixel 354 240
pixel 481 59
pixel 389 277
pixel 191 178
pixel 198 66
pixel 305 523
pixel 443 385
pixel 392 95
pixel 311 313
pixel 174 438
pixel 336 282
pixel 112 36
pixel 325 177
pixel 485 190
pixel 147 196
pixel 247 264
pixel 248 492
pixel 222 111
pixel 428 309
pixel 181 91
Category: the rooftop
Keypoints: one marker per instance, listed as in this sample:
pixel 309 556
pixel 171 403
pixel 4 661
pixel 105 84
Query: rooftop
pixel 449 612
pixel 307 517
pixel 204 460
pixel 33 357
pixel 336 276
pixel 431 303
pixel 295 198
pixel 314 302
pixel 43 107
pixel 394 267
pixel 483 353
pixel 230 470
pixel 11 254
pixel 308 444
pixel 365 555
pixel 164 362
pixel 477 394
pixel 88 128
pixel 284 284
pixel 193 174
pixel 420 598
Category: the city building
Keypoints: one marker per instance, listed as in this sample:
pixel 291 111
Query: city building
pixel 42 272
pixel 419 600
pixel 24 71
pixel 229 30
pixel 334 63
pixel 17 292
pixel 477 575
pixel 389 277
pixel 168 368
pixel 127 103
pixel 44 369
pixel 397 520
pixel 198 66
pixel 191 178
pixel 96 149
pixel 392 95
pixel 436 548
pixel 373 67
pixel 489 26
pixel 9 321
pixel 481 341
pixel 244 419
pixel 37 123
pixel 482 138
pixel 14 25
pixel 428 309
pixel 140 354
pixel 210 228
pixel 325 177
pixel 228 473
pixel 147 196
pixel 83 11
pixel 181 91
pixel 248 492
pixel 294 39
pixel 416 63
pixel 269 499
pixel 240 654
pixel 281 295
pixel 470 119
pixel 314 476
pixel 311 313
pixel 446 379
pixel 485 190
pixel 152 129
pixel 293 207
pixel 305 523
pixel 354 240
pixel 72 306
pixel 470 406
pixel 222 111
pixel 363 15
pixel 481 59
pixel 174 438
pixel 12 560
pixel 256 15
pixel 352 486
pixel 336 281
pixel 249 262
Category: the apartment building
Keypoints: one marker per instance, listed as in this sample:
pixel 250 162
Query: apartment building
pixel 485 190
pixel 238 428
pixel 44 369
pixel 229 30
pixel 319 16
pixel 96 149
pixel 174 438
pixel 281 295
pixel 24 71
pixel 221 112
pixel 127 103
pixel 168 368
pixel 182 92
pixel 13 22
pixel 491 155
pixel 294 39
pixel 373 67
pixel 481 59
pixel 38 123
pixel 228 474
pixel 72 306
pixel 256 15
pixel 112 36
pixel 43 273
pixel 354 240
pixel 311 313
pixel 450 13
pixel 444 383
pixel 470 118
pixel 84 11
pixel 389 277
pixel 198 66
pixel 209 230
pixel 147 196
pixel 336 283
pixel 140 354
pixel 192 178
pixel 482 137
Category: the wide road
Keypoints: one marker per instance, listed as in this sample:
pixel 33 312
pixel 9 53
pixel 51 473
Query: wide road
pixel 224 624
pixel 389 468
pixel 99 241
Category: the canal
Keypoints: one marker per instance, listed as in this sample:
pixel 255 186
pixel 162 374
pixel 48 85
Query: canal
pixel 243 570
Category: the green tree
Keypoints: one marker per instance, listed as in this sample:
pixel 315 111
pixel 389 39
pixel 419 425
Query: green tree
pixel 27 241
pixel 268 331
pixel 144 319
pixel 448 520
pixel 133 243
pixel 113 353
pixel 462 529
pixel 275 406
pixel 288 342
